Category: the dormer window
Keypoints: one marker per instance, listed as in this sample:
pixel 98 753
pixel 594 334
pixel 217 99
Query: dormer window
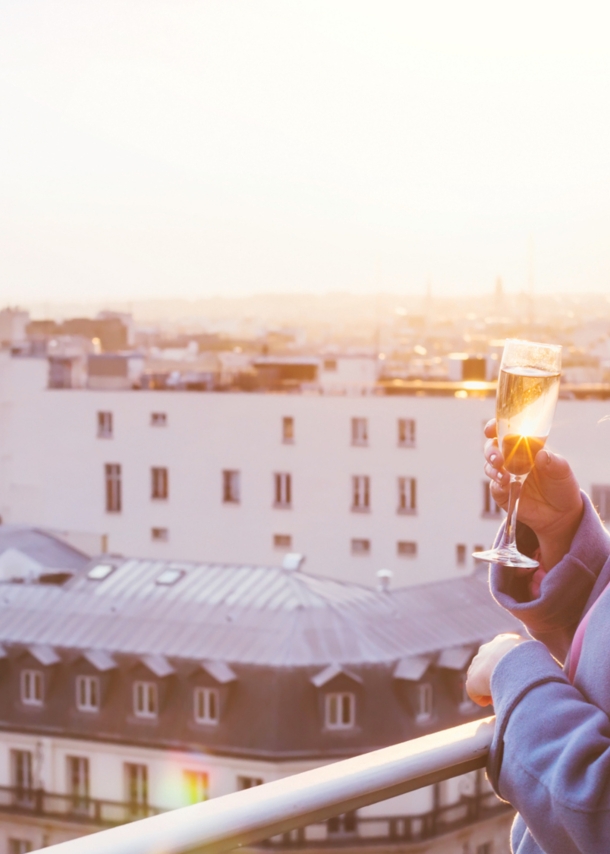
pixel 340 710
pixel 207 705
pixel 145 700
pixel 88 693
pixel 31 687
pixel 424 702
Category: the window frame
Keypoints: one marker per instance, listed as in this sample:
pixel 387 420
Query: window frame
pixel 87 682
pixel 210 697
pixel 231 486
pixel 113 485
pixel 148 690
pixel 460 554
pixel 600 498
pixel 27 678
pixel 281 542
pixel 407 496
pixel 342 701
pixel 356 550
pixel 158 419
pixel 409 439
pixel 105 424
pixel 361 493
pixel 282 490
pixel 360 432
pixel 491 510
pixel 407 553
pixel 159 483
pixel 424 706
pixel 288 430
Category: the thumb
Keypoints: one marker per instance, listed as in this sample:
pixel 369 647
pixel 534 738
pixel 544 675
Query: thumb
pixel 553 466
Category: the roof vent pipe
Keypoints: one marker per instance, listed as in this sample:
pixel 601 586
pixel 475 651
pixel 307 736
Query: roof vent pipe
pixel 293 561
pixel 384 577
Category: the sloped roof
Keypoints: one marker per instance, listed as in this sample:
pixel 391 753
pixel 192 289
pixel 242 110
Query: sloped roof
pixel 248 615
pixel 40 549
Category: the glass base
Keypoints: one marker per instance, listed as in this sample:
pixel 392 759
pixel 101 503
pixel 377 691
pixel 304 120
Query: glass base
pixel 507 557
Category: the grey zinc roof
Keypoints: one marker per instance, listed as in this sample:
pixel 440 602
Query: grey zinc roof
pixel 249 615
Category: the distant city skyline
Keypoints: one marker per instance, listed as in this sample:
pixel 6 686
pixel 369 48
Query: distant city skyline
pixel 165 150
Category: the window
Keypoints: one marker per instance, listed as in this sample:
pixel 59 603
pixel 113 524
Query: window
pixel 87 693
pixel 19 846
pixel 282 483
pixel 339 711
pixel 485 848
pixel 158 419
pixel 282 541
pixel 460 554
pixel 104 425
pixel 113 487
pixel 406 432
pixel 159 484
pixel 407 495
pixel 405 548
pixel 22 776
pixel 342 825
pixel 169 576
pixel 136 784
pixel 288 430
pixel 360 431
pixel 207 705
pixel 490 508
pixel 600 496
pixel 361 493
pixel 31 687
pixel 78 781
pixel 230 487
pixel 248 782
pixel 160 535
pixel 361 547
pixel 145 700
pixel 423 710
pixel 99 572
pixel 329 364
pixel 196 785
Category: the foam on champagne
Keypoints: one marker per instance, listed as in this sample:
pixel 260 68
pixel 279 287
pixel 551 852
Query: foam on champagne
pixel 525 405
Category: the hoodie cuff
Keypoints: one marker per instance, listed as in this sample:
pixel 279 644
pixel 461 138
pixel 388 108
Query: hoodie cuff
pixel 522 668
pixel 577 571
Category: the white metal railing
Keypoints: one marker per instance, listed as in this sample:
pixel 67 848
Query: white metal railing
pixel 258 813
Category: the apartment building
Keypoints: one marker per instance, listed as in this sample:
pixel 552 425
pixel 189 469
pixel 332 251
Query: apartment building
pixel 355 483
pixel 130 687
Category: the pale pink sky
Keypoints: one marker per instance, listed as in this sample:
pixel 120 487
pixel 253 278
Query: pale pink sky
pixel 186 148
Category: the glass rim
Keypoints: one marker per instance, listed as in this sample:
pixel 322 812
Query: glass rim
pixel 533 343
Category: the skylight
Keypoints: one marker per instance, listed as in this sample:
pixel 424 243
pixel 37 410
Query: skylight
pixel 99 572
pixel 169 576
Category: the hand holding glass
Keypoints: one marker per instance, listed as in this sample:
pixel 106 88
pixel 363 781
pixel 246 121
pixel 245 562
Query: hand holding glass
pixel 525 403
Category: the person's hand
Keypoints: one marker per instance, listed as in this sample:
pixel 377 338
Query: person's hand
pixel 478 678
pixel 550 502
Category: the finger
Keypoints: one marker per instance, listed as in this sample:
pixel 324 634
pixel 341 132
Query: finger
pixel 495 475
pixel 482 701
pixel 499 490
pixel 490 429
pixel 492 453
pixel 552 465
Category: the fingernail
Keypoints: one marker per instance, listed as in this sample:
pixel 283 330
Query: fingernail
pixel 493 458
pixel 545 457
pixel 500 476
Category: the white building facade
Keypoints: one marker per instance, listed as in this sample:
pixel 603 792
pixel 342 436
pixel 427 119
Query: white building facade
pixel 355 483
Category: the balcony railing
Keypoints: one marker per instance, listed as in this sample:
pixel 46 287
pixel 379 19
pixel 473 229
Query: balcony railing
pixel 72 807
pixel 277 808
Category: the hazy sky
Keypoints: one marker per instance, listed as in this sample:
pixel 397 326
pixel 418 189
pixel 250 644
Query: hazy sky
pixel 182 148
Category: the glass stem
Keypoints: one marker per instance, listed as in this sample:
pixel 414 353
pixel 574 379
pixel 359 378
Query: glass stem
pixel 510 531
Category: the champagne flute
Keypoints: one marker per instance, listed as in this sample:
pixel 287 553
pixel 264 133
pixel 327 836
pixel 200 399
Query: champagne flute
pixel 528 387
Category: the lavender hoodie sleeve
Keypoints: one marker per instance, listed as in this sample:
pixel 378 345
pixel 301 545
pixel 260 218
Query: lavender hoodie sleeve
pixel 553 617
pixel 550 756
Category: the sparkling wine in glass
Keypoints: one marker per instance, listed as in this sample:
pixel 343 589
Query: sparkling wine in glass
pixel 528 386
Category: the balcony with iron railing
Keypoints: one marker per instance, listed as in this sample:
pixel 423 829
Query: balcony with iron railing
pixel 314 809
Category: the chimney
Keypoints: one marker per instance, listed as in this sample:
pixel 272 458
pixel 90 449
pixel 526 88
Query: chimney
pixel 384 577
